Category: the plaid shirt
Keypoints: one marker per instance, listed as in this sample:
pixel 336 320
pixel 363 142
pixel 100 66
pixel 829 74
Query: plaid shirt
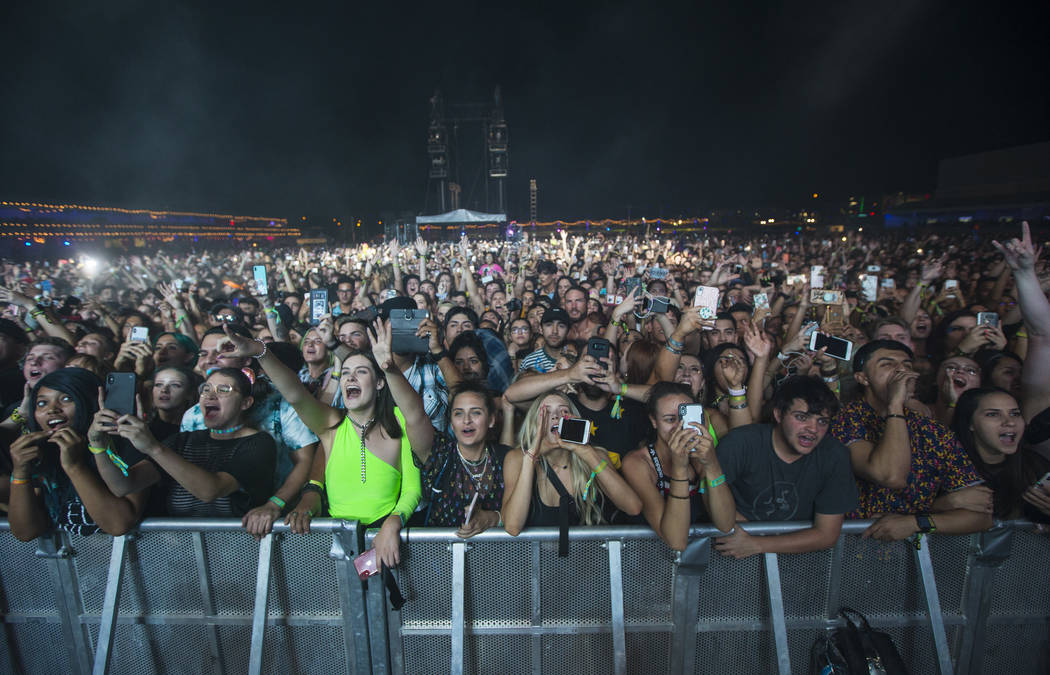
pixel 501 368
pixel 426 378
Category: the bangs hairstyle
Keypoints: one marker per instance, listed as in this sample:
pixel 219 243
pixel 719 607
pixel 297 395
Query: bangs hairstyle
pixel 472 387
pixel 241 383
pixel 662 390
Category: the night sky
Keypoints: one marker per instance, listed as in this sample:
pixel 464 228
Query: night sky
pixel 294 110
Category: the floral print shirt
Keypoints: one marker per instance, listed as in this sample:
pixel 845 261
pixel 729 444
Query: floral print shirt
pixel 938 462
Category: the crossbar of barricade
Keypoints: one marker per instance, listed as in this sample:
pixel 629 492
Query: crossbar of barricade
pixel 180 591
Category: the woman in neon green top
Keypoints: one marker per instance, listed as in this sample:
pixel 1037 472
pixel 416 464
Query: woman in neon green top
pixel 367 468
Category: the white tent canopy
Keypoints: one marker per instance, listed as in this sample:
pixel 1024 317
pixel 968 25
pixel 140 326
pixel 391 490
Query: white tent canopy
pixel 462 216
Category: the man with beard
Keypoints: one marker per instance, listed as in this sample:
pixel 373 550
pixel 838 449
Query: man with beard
pixel 555 327
pixel 582 326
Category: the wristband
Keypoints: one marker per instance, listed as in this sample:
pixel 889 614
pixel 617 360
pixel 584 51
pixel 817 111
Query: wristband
pixel 113 457
pixel 500 516
pixel 737 407
pixel 715 482
pixel 19 481
pixel 440 355
pixel 676 352
pixel 280 503
pixel 831 378
pixel 738 392
pixel 1021 333
pixel 179 320
pixel 336 373
pixel 590 481
pixel 311 487
pixel 263 346
pixel 316 482
pixel 675 343
pixel 17 417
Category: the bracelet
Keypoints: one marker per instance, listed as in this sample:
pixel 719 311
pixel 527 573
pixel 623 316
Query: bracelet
pixel 715 482
pixel 738 392
pixel 113 457
pixel 179 320
pixel 17 417
pixel 280 503
pixel 896 415
pixel 679 480
pixel 950 406
pixel 679 496
pixel 500 516
pixel 19 481
pixel 675 343
pixel 738 407
pixel 831 378
pixel 263 346
pixel 674 351
pixel 36 312
pixel 1021 333
pixel 597 470
pixel 440 355
pixel 311 487
pixel 530 455
pixel 316 482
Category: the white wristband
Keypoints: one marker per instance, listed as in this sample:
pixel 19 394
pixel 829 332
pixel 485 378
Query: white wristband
pixel 738 392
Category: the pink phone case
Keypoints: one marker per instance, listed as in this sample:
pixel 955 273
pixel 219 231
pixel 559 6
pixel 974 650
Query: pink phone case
pixel 366 564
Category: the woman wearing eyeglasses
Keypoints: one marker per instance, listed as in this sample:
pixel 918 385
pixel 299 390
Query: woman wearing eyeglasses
pixel 955 375
pixel 221 471
pixel 519 340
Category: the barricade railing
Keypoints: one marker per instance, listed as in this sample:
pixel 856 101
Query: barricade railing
pixel 181 592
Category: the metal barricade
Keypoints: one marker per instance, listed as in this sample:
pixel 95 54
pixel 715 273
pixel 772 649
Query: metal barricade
pixel 178 595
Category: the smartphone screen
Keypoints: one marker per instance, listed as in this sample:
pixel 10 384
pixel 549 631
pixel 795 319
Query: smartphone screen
pixel 259 272
pixel 318 305
pixel 574 430
pixel 139 334
pixel 706 298
pixel 836 347
pixel 869 287
pixel 816 276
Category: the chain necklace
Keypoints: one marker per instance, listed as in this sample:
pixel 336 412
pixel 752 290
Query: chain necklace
pixel 475 468
pixel 362 431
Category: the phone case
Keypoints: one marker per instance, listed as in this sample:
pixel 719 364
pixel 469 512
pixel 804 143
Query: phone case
pixel 120 393
pixel 366 564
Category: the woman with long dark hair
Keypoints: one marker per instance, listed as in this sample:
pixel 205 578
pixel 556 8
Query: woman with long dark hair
pixel 989 425
pixel 368 468
pixel 54 482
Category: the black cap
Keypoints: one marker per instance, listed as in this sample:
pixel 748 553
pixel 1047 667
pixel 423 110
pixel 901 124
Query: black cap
pixel 399 302
pixel 556 314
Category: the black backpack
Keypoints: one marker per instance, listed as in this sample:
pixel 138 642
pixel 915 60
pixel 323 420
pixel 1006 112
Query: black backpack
pixel 855 649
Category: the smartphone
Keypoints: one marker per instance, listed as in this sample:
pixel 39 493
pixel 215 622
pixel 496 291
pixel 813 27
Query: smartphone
pixel 796 279
pixel 706 298
pixel 318 305
pixel 470 509
pixel 836 347
pixel 658 304
pixel 988 318
pixel 120 393
pixel 888 283
pixel 45 288
pixel 259 272
pixel 869 287
pixel 599 347
pixel 630 283
pixel 178 284
pixel 657 273
pixel 574 430
pixel 404 323
pixel 486 279
pixel 816 276
pixel 1045 480
pixel 139 334
pixel 368 314
pixel 366 564
pixel 689 413
pixel 819 296
pixel 761 301
pixel 951 283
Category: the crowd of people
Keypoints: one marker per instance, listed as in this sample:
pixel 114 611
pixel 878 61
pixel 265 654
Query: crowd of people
pixel 657 379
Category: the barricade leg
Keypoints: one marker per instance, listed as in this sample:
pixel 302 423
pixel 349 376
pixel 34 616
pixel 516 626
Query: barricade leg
pixel 991 549
pixel 378 626
pixel 108 620
pixel 536 615
pixel 615 548
pixel 204 573
pixel 458 549
pixel 262 593
pixel 776 611
pixel 685 603
pixel 933 604
pixel 351 600
pixel 57 551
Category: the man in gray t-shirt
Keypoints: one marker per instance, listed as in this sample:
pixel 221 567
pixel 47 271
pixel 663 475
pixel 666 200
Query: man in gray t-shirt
pixel 791 470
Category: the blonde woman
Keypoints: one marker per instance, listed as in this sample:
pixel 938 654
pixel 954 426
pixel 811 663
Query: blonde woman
pixel 551 482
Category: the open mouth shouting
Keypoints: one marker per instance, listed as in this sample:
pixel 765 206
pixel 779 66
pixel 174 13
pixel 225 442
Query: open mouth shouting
pixel 1008 438
pixel 56 422
pixel 807 441
pixel 352 392
pixel 210 410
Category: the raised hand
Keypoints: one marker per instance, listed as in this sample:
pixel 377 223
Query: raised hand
pixel 239 346
pixel 421 246
pixel 757 342
pixel 71 447
pixel 1019 254
pixel 380 335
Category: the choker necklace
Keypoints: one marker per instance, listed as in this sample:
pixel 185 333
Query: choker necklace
pixel 475 468
pixel 361 433
pixel 231 430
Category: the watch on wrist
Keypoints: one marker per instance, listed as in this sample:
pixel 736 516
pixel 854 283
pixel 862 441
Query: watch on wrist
pixel 925 522
pixel 440 355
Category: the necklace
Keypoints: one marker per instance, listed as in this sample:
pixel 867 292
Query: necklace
pixel 362 431
pixel 475 468
pixel 231 430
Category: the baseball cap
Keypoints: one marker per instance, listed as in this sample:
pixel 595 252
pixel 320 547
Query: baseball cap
pixel 555 314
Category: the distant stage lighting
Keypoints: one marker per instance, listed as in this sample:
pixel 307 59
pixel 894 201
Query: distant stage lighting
pixel 90 265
